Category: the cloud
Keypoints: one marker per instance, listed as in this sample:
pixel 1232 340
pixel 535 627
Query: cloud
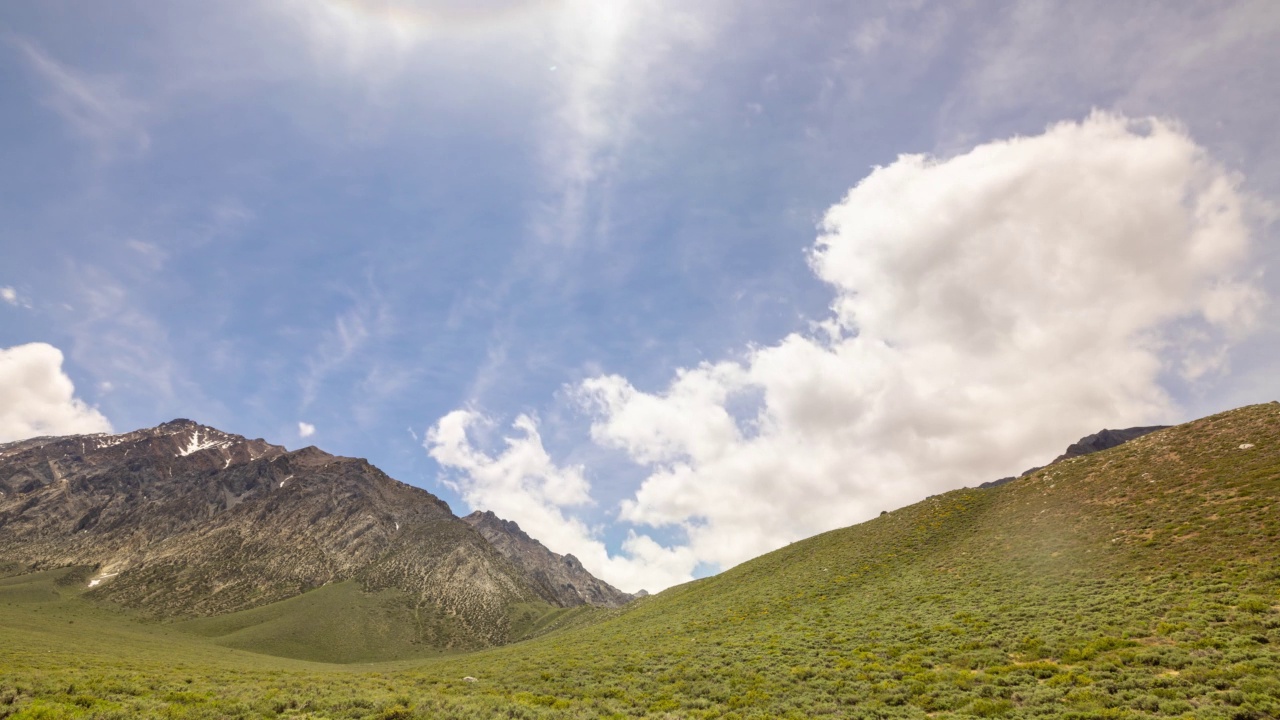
pixel 37 398
pixel 374 38
pixel 117 339
pixel 149 255
pixel 1026 64
pixel 608 59
pixel 523 484
pixel 11 296
pixel 96 107
pixel 350 333
pixel 871 35
pixel 988 309
pixel 306 430
pixel 354 37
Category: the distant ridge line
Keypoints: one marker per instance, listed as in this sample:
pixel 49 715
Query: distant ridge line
pixel 1104 439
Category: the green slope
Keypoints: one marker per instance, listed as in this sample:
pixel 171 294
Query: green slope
pixel 336 623
pixel 1143 581
pixel 340 623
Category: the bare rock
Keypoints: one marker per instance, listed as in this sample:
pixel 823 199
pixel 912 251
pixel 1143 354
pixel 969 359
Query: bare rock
pixel 560 579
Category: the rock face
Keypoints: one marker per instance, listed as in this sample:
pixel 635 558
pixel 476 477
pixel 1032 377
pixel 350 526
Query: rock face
pixel 1101 440
pixel 185 520
pixel 554 575
pixel 1105 440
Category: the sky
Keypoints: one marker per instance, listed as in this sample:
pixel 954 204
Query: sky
pixel 669 284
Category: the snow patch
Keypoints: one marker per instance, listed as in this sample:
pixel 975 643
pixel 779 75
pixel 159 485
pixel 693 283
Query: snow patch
pixel 282 482
pixel 94 582
pixel 102 441
pixel 209 440
pixel 1246 446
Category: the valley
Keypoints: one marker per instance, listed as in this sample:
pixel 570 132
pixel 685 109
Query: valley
pixel 1139 581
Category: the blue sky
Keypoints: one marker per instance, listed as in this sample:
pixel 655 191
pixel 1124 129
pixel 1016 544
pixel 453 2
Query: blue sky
pixel 410 225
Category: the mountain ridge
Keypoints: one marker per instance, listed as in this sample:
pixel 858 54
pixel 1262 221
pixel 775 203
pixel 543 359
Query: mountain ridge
pixel 1104 439
pixel 561 576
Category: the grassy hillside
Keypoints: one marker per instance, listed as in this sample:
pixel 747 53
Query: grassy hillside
pixel 335 623
pixel 339 623
pixel 1143 581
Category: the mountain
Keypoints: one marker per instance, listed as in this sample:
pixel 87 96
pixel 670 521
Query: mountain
pixel 184 520
pixel 556 576
pixel 1101 440
pixel 1138 582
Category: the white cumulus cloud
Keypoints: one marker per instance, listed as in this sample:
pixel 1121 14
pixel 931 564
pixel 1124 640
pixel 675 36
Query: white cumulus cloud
pixel 989 308
pixel 522 483
pixel 37 398
pixel 9 295
pixel 306 429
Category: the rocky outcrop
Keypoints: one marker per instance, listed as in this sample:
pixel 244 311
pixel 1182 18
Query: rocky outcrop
pixel 561 577
pixel 1101 440
pixel 1105 440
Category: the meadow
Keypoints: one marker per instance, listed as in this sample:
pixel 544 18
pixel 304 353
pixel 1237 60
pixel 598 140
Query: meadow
pixel 1140 582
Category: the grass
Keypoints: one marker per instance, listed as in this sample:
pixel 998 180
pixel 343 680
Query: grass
pixel 336 623
pixel 1141 582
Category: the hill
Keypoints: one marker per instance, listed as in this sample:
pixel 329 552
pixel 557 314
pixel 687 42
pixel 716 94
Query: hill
pixel 1142 581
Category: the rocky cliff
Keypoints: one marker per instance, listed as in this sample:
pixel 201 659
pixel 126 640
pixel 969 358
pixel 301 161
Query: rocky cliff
pixel 554 575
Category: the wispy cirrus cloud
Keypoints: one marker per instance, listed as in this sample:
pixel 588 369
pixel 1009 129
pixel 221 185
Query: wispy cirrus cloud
pixel 375 38
pixel 116 338
pixel 348 334
pixel 1197 63
pixel 610 60
pixel 367 321
pixel 96 107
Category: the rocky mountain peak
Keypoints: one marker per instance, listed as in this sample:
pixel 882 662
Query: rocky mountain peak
pixel 487 519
